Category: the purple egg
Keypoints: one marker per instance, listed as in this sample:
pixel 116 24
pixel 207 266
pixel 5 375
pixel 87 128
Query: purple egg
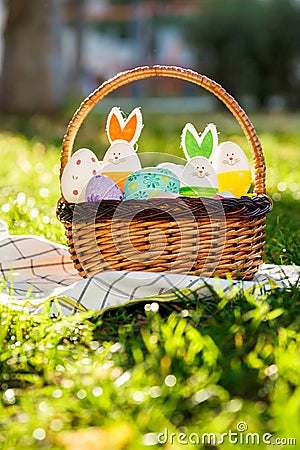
pixel 101 187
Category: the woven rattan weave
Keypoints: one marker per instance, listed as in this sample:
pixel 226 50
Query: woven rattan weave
pixel 197 236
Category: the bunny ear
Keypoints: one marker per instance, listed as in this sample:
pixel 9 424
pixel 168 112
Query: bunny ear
pixel 125 129
pixel 195 145
pixel 209 140
pixel 190 141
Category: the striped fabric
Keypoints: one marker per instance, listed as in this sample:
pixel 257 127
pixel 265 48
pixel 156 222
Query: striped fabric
pixel 34 271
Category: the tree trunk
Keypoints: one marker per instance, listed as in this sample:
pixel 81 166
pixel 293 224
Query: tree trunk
pixel 32 79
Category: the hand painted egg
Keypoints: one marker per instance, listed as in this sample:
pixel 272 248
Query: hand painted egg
pixel 150 182
pixel 101 187
pixel 81 167
pixel 232 168
pixel 119 162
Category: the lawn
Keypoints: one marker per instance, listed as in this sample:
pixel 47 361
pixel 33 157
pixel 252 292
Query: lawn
pixel 117 380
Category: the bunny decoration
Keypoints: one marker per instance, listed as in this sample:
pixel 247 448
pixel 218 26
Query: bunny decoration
pixel 232 168
pixel 198 177
pixel 121 159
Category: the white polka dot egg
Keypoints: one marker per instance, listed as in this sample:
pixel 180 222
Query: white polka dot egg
pixel 81 167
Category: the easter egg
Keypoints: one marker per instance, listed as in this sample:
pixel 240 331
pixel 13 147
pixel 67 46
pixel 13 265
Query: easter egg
pixel 150 182
pixel 101 187
pixel 81 167
pixel 119 162
pixel 232 168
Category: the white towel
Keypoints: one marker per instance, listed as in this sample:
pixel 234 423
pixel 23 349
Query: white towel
pixel 35 270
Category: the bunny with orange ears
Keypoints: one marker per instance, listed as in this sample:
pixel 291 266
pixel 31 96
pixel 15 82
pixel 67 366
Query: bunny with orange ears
pixel 121 159
pixel 198 178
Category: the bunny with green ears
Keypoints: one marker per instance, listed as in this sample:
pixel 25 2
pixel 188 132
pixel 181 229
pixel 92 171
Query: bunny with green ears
pixel 198 178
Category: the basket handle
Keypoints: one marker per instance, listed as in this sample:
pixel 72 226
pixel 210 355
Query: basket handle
pixel 140 73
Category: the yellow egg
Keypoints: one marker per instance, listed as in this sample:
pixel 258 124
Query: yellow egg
pixel 237 182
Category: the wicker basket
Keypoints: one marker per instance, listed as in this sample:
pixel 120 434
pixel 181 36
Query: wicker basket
pixel 197 236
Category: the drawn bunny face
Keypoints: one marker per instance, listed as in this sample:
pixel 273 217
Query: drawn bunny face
pixel 121 157
pixel 81 167
pixel 229 157
pixel 122 134
pixel 199 172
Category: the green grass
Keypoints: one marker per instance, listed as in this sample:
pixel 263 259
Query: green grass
pixel 190 366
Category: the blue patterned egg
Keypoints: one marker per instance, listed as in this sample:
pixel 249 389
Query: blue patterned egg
pixel 101 187
pixel 150 182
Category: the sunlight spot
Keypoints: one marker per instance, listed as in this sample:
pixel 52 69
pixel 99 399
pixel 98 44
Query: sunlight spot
pixel 281 186
pixel 57 393
pixel 276 197
pixel 44 192
pixel 39 434
pixel 23 418
pixel 138 396
pixel 117 347
pixel 56 169
pixel 296 195
pixel 97 391
pixel 153 339
pixel 39 167
pixel 94 345
pixel 46 219
pixel 271 370
pixel 81 394
pixel 9 396
pixel 86 361
pixel 6 207
pixel 185 313
pixel 294 187
pixel 202 395
pixel 56 425
pixel 122 379
pixel 116 373
pixel 43 407
pixel 234 405
pixel 155 391
pixel 21 198
pixel 34 212
pixel 30 202
pixel 170 380
pixel 67 384
pixel 154 307
pixel 150 439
